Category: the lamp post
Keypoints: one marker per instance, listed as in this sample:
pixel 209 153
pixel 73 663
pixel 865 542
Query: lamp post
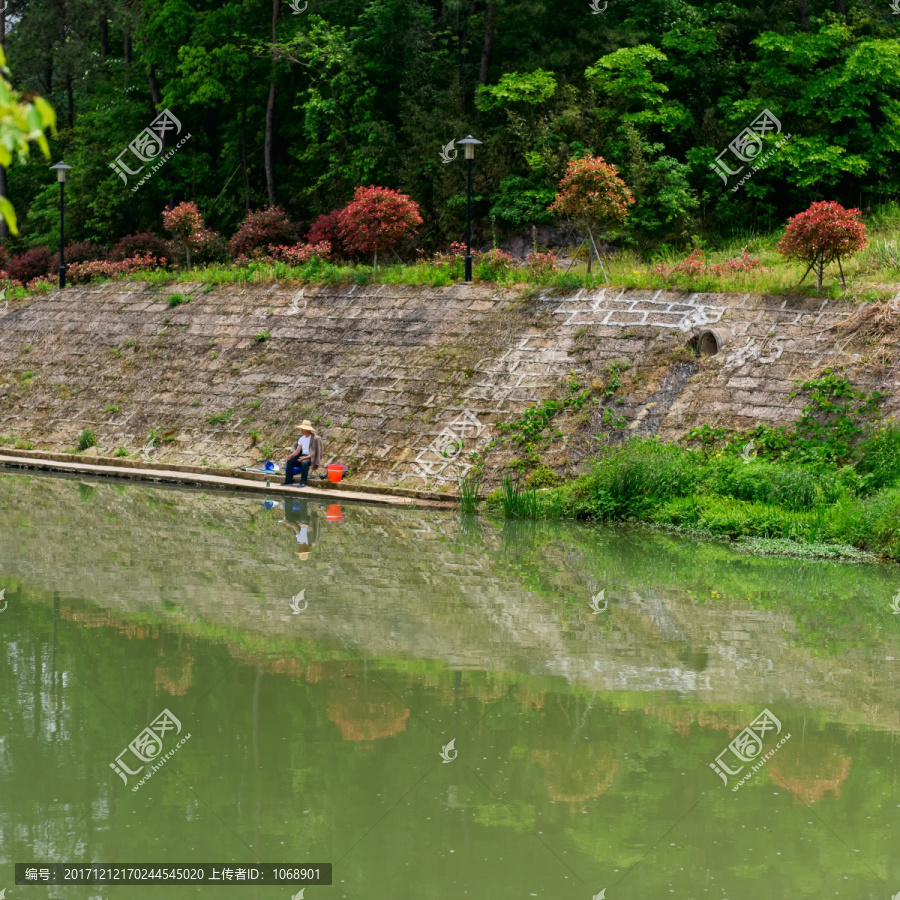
pixel 62 172
pixel 470 144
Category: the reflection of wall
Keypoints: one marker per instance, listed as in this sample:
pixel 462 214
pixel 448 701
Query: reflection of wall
pixel 417 586
pixel 386 369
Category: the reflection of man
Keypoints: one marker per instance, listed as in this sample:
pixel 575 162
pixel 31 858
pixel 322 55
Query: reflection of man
pixel 297 517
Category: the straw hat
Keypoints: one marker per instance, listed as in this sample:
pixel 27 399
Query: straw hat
pixel 306 425
pixel 301 554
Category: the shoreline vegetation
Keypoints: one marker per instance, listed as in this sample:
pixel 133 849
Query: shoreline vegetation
pixel 744 263
pixel 828 485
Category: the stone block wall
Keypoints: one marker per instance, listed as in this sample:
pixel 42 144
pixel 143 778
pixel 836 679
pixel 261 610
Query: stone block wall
pixel 402 381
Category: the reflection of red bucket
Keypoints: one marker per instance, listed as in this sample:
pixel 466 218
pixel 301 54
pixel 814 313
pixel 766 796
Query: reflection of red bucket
pixel 334 514
pixel 335 472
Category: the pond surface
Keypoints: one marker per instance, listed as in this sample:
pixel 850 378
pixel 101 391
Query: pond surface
pixel 323 660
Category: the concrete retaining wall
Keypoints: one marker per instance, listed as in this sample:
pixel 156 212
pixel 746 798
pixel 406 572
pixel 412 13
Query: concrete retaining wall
pixel 403 382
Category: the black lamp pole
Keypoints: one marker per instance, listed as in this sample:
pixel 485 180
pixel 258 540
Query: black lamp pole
pixel 470 144
pixel 62 171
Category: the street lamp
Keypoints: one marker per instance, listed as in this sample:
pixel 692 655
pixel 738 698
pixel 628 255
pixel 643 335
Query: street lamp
pixel 470 144
pixel 62 172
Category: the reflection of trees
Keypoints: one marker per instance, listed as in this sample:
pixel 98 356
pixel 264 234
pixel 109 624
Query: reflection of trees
pixel 811 768
pixel 364 708
pixel 577 772
pixel 683 718
pixel 175 676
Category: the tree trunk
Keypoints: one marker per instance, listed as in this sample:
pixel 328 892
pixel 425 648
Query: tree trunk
pixel 104 37
pixel 127 48
pixel 804 15
pixel 70 100
pixel 154 88
pixel 270 110
pixel 820 265
pixel 489 42
pixel 244 155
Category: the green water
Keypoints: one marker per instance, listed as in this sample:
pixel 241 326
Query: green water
pixel 584 740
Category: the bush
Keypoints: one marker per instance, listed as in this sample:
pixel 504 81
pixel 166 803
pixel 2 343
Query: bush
pixel 261 229
pixel 630 480
pixel 144 243
pixel 209 248
pixel 31 264
pixel 878 459
pixel 326 229
pixel 696 266
pixel 493 265
pixel 83 273
pixel 377 219
pixel 86 439
pixel 79 252
pixel 300 254
pixel 519 202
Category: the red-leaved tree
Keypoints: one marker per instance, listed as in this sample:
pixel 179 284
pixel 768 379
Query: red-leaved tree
pixel 377 219
pixel 824 233
pixel 592 194
pixel 186 223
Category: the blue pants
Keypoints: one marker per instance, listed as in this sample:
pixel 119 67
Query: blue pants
pixel 293 466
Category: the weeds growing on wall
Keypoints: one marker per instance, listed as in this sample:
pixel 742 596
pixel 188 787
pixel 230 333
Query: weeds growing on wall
pixel 832 478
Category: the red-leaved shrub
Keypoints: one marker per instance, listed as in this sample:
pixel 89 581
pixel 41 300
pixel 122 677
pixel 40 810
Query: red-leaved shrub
pixel 82 273
pixel 261 229
pixel 326 228
pixel 80 251
pixel 31 264
pixel 377 219
pixel 696 265
pixel 300 253
pixel 822 234
pixel 144 243
pixel 542 264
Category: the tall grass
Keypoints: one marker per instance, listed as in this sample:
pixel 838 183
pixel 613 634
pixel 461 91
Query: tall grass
pixel 470 492
pixel 518 501
pixel 646 480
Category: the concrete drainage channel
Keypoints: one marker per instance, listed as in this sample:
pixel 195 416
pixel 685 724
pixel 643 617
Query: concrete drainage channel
pixel 221 478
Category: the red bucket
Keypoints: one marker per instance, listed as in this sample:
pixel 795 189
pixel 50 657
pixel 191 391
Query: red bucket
pixel 334 514
pixel 335 472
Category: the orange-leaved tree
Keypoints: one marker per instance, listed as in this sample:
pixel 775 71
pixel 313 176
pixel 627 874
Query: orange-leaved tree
pixel 186 223
pixel 376 219
pixel 592 194
pixel 822 234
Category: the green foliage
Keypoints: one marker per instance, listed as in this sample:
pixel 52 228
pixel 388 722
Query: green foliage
pixel 518 501
pixel 86 439
pixel 470 491
pixel 221 418
pixel 177 300
pixel 519 201
pixel 516 87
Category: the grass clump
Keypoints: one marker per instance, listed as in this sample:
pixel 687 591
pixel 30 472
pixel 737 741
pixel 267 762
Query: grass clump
pixel 86 439
pixel 830 481
pixel 177 299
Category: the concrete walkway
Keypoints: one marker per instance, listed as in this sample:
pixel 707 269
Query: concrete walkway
pixel 231 482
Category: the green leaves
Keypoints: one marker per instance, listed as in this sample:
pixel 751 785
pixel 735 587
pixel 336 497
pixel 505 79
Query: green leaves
pixel 531 88
pixel 21 122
